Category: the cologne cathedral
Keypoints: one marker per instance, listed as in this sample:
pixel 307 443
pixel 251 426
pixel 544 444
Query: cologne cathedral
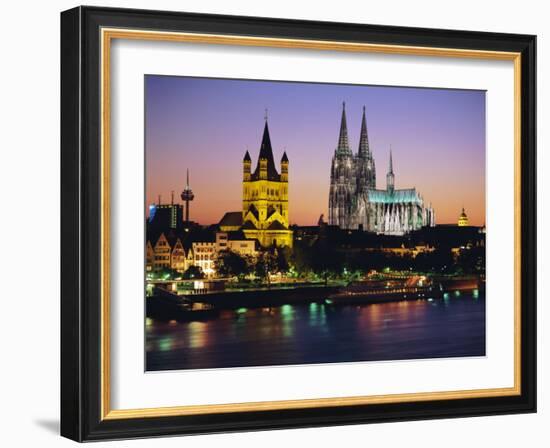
pixel 356 203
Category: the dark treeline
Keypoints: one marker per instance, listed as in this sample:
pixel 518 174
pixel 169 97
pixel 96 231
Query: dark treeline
pixel 323 258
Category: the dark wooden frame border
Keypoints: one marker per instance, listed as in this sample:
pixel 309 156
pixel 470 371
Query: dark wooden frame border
pixel 81 223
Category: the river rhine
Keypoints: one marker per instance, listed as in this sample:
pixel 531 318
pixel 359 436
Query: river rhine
pixel 319 333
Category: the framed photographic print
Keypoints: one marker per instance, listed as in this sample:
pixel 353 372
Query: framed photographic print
pixel 274 223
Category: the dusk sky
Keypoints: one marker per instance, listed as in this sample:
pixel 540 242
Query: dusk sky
pixel 437 138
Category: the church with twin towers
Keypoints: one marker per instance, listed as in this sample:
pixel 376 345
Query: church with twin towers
pixel 356 203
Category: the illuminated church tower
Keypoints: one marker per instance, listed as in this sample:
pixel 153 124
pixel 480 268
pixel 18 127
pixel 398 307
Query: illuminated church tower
pixel 366 170
pixel 342 179
pixel 265 197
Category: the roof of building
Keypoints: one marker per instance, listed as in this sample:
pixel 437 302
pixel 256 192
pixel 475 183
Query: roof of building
pixel 409 195
pixel 249 225
pixel 284 158
pixel 172 239
pixel 236 235
pixel 194 233
pixel 231 219
pixel 276 225
pixel 266 152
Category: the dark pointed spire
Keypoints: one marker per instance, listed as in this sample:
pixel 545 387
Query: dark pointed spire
pixel 343 142
pixel 266 152
pixel 247 156
pixel 364 138
pixel 390 178
pixel 284 158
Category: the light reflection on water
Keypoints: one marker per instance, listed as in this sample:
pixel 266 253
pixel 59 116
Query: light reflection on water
pixel 320 333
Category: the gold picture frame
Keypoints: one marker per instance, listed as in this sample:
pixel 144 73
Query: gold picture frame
pixel 106 30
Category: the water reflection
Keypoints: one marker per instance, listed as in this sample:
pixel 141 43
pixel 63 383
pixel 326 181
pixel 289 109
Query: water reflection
pixel 317 315
pixel 198 334
pixel 319 333
pixel 165 344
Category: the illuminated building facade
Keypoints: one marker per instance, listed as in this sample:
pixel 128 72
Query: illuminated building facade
pixel 167 253
pixel 354 201
pixel 178 259
pixel 204 256
pixel 265 198
pixel 236 242
pixel 162 252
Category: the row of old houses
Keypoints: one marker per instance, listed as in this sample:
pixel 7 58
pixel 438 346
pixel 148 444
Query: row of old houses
pixel 180 252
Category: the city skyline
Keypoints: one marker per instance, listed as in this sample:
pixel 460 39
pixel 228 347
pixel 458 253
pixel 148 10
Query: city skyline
pixel 437 138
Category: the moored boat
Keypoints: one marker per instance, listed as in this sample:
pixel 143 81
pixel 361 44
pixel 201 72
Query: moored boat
pixel 373 292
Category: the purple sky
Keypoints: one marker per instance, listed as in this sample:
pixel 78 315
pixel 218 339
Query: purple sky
pixel 206 125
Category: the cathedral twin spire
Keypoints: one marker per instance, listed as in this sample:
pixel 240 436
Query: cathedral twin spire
pixel 364 149
pixel 343 140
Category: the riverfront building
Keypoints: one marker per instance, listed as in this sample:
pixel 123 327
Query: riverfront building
pixel 264 216
pixel 199 249
pixel 236 242
pixel 356 203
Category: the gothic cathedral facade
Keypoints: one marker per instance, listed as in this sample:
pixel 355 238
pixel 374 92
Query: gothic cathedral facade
pixel 356 203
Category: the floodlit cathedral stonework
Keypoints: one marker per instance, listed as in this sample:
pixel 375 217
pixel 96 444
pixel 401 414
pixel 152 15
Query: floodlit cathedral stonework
pixel 354 201
pixel 265 197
